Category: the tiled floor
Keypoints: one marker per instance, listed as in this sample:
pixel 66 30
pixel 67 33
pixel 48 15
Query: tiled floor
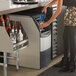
pixel 27 71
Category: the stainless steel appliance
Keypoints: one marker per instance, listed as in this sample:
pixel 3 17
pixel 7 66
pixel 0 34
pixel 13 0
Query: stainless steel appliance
pixel 38 54
pixel 25 1
pixel 57 32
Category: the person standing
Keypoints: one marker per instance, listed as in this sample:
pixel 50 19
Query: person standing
pixel 68 61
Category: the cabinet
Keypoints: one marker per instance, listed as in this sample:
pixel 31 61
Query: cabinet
pixel 57 32
pixel 7 46
pixel 5 41
pixel 30 56
pixel 9 7
pixel 38 53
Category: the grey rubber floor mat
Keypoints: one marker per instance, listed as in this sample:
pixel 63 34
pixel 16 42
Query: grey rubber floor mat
pixel 54 71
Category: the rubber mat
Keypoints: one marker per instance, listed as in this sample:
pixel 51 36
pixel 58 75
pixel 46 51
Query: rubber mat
pixel 54 71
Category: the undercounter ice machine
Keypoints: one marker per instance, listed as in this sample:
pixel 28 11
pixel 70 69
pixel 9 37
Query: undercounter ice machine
pixel 38 53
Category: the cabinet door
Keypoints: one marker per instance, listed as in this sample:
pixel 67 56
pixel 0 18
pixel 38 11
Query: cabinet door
pixel 5 42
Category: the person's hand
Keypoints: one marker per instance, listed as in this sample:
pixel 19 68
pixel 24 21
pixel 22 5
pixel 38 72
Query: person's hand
pixel 44 9
pixel 43 25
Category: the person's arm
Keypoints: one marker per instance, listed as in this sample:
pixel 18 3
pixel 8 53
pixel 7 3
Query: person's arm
pixel 49 4
pixel 58 11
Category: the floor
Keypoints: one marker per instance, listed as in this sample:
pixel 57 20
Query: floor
pixel 27 71
pixel 55 71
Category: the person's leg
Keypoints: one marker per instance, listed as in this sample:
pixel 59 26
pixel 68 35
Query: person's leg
pixel 66 42
pixel 65 68
pixel 64 60
pixel 72 49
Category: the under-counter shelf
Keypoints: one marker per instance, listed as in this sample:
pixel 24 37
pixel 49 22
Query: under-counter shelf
pixel 21 45
pixel 6 44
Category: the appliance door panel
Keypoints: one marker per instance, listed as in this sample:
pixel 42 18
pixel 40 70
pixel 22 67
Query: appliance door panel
pixel 45 43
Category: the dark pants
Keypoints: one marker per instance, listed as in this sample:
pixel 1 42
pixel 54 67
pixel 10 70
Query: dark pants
pixel 70 42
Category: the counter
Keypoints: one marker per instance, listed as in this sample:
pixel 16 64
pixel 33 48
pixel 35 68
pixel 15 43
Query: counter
pixel 7 6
